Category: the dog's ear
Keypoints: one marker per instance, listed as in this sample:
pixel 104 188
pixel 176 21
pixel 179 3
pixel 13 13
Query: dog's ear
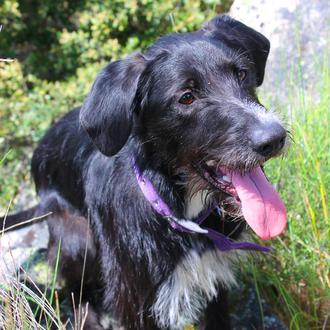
pixel 106 114
pixel 243 38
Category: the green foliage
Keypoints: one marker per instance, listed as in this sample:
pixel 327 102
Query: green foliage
pixel 54 38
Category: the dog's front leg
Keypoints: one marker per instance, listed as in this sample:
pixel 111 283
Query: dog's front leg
pixel 217 313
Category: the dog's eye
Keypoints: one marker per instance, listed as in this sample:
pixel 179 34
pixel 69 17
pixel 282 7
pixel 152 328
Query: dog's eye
pixel 241 75
pixel 187 98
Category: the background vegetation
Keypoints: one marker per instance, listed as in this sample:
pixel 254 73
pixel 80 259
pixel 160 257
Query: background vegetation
pixel 59 46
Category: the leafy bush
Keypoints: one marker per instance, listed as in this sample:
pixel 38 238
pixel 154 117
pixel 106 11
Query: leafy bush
pixel 53 39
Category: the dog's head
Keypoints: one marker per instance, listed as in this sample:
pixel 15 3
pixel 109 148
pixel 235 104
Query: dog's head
pixel 190 100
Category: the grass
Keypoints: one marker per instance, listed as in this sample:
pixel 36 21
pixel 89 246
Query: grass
pixel 24 305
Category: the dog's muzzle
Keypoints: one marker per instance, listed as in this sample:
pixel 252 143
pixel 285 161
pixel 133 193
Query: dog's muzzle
pixel 261 206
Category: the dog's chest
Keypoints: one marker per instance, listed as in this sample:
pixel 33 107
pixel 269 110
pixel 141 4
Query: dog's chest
pixel 182 298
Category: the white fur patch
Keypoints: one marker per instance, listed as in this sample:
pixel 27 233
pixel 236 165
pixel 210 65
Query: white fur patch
pixel 195 204
pixel 195 281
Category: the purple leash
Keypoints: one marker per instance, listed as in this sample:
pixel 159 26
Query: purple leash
pixel 222 242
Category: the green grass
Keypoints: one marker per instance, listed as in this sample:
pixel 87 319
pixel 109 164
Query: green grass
pixel 25 305
pixel 295 277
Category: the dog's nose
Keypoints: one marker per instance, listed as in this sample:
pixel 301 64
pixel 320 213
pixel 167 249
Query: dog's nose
pixel 268 139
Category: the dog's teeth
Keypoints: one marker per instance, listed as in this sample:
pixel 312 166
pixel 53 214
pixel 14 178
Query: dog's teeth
pixel 226 178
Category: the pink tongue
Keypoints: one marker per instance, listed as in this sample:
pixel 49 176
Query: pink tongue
pixel 262 207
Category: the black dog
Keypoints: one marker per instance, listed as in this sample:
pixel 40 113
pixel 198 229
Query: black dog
pixel 185 116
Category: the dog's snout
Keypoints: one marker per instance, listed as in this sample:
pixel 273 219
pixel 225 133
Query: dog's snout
pixel 268 139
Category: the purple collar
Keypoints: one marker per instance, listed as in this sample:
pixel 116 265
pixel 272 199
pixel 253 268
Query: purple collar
pixel 222 242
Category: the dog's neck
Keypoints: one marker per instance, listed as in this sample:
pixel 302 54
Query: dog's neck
pixel 161 176
pixel 185 200
pixel 186 193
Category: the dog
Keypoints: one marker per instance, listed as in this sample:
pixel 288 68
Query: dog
pixel 163 139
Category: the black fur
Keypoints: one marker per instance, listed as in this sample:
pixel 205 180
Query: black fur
pixel 132 114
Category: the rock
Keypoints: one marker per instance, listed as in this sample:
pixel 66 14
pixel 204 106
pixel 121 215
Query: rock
pixel 249 313
pixel 299 35
pixel 19 245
